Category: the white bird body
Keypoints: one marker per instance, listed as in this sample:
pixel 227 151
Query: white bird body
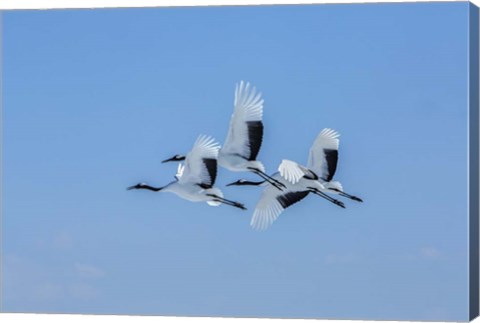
pixel 273 202
pixel 322 163
pixel 321 167
pixel 333 187
pixel 238 164
pixel 323 158
pixel 297 174
pixel 195 180
pixel 245 132
pixel 193 193
pixel 299 181
pixel 245 135
pixel 298 184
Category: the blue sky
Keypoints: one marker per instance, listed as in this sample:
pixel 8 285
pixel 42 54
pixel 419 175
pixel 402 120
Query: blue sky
pixel 95 99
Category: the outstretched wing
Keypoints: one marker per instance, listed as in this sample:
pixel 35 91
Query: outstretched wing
pixel 180 169
pixel 246 128
pixel 293 172
pixel 323 155
pixel 201 163
pixel 271 204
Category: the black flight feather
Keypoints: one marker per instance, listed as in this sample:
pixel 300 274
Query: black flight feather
pixel 290 198
pixel 255 136
pixel 211 165
pixel 331 156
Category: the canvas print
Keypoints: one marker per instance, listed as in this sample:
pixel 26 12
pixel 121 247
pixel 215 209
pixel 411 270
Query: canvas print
pixel 321 161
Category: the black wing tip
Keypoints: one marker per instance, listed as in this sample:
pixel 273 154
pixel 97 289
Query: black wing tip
pixel 331 156
pixel 290 198
pixel 211 165
pixel 255 138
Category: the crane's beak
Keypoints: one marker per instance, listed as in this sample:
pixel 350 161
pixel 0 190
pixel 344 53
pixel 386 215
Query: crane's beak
pixel 132 187
pixel 174 158
pixel 231 184
pixel 169 160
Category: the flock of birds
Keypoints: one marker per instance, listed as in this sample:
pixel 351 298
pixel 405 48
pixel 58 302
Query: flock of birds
pixel 195 179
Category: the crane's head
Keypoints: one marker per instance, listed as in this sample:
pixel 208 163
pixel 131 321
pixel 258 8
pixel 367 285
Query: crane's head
pixel 138 186
pixel 174 158
pixel 244 182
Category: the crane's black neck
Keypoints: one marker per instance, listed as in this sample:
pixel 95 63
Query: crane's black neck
pixel 151 188
pixel 252 183
pixel 145 187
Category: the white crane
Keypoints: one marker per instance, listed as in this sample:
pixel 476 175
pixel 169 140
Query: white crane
pixel 322 164
pixel 195 180
pixel 245 134
pixel 273 202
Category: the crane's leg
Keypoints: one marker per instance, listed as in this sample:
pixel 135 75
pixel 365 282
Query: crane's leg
pixel 231 203
pixel 328 198
pixel 352 197
pixel 268 178
pixel 217 198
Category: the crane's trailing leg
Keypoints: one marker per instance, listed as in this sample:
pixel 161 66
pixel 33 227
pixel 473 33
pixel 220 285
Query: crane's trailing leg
pixel 228 202
pixel 268 178
pixel 352 197
pixel 328 198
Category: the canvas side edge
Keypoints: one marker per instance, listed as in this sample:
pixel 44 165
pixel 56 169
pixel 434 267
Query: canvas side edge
pixel 473 93
pixel 1 164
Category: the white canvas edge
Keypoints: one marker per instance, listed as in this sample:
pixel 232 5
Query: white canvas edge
pixel 78 318
pixel 50 4
pixel 58 4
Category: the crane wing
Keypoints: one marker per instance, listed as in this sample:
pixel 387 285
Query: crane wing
pixel 323 155
pixel 271 204
pixel 201 163
pixel 180 169
pixel 245 134
pixel 292 171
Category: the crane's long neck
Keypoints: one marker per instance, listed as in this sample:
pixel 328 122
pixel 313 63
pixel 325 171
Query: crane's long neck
pixel 251 183
pixel 143 186
pixel 151 188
